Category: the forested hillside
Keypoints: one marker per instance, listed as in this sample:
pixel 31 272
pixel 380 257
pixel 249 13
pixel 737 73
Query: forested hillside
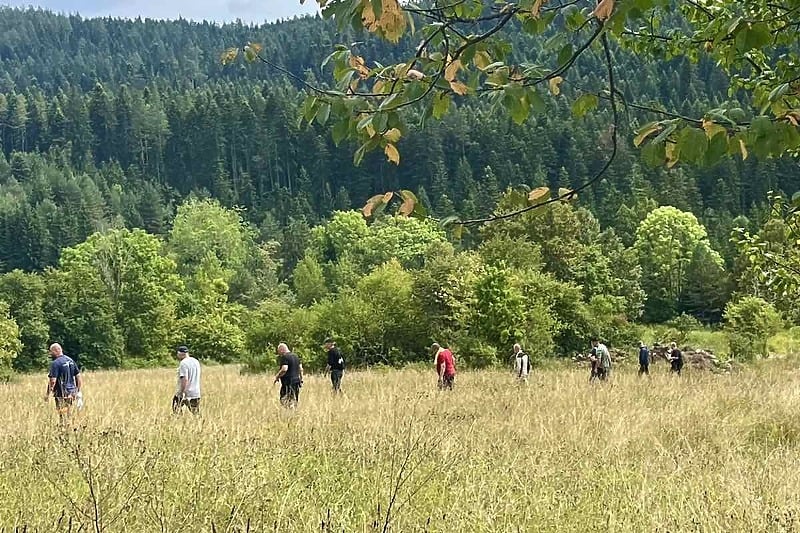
pixel 113 124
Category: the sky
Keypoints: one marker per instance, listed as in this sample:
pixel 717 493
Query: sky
pixel 217 10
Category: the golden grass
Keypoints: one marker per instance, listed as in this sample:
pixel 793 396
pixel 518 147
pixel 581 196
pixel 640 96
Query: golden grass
pixel 701 453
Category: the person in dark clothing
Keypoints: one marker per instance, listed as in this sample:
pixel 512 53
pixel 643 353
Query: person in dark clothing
pixel 335 365
pixel 64 381
pixel 593 359
pixel 290 375
pixel 675 359
pixel 644 359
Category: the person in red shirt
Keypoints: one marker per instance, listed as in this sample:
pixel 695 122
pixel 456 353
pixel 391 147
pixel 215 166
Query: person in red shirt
pixel 445 366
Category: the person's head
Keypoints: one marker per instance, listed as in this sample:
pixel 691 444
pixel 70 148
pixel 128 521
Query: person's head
pixel 595 342
pixel 435 347
pixel 329 343
pixel 56 350
pixel 641 344
pixel 517 348
pixel 283 348
pixel 673 345
pixel 182 352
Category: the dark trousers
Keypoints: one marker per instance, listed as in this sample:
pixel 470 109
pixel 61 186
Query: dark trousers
pixel 447 382
pixel 677 366
pixel 336 380
pixel 290 394
pixel 193 404
pixel 644 368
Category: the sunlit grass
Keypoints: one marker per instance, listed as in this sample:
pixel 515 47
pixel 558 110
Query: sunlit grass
pixel 702 453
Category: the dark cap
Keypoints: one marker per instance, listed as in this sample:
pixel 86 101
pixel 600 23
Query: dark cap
pixel 329 340
pixel 183 349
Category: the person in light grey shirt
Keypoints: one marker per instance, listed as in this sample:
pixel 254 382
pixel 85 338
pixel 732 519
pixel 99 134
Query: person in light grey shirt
pixel 187 391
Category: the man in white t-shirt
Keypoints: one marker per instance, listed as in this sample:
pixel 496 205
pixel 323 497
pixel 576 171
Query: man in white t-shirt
pixel 187 391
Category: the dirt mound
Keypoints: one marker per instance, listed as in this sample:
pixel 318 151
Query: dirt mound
pixel 697 359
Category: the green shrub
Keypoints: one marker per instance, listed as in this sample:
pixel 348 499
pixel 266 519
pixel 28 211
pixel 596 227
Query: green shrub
pixel 749 323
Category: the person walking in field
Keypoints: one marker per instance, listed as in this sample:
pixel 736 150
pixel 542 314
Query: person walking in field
pixel 290 375
pixel 522 364
pixel 675 359
pixel 64 381
pixel 335 365
pixel 603 360
pixel 644 359
pixel 593 375
pixel 445 367
pixel 187 391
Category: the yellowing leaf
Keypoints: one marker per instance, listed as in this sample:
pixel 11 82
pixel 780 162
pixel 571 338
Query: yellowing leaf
pixel 482 59
pixel 536 10
pixel 370 129
pixel 360 66
pixel 452 69
pixel 393 135
pixel 252 50
pixel 229 56
pixel 371 204
pixel 539 193
pixel 567 194
pixel 743 148
pixel 409 203
pixel 388 197
pixel 554 85
pixel 415 75
pixel 603 10
pixel 672 154
pixel 392 154
pixel 459 88
pixel 391 24
pixel 646 132
pixel 712 128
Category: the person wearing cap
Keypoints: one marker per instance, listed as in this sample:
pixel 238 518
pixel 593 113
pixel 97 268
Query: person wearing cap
pixel 522 364
pixel 603 359
pixel 290 375
pixel 187 391
pixel 335 364
pixel 445 366
pixel 644 359
pixel 675 359
pixel 64 381
pixel 593 375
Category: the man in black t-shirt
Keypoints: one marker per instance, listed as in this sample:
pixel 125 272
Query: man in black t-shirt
pixel 335 364
pixel 290 374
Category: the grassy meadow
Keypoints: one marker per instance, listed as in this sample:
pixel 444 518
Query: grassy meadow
pixel 701 453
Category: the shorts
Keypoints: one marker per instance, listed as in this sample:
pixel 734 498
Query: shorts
pixel 63 405
pixel 192 403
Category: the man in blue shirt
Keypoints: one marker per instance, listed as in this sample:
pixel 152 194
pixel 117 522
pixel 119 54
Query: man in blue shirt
pixel 644 359
pixel 64 381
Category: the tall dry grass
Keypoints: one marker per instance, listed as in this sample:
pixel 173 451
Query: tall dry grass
pixel 701 453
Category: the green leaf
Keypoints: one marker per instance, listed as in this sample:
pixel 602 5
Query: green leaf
pixel 310 108
pixel 584 104
pixel 441 104
pixel 358 156
pixel 340 131
pixel 654 154
pixel 717 149
pixel 323 113
pixel 692 145
pixel 565 55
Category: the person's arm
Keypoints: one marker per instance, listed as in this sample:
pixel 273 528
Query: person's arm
pixel 281 371
pixel 301 372
pixel 440 367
